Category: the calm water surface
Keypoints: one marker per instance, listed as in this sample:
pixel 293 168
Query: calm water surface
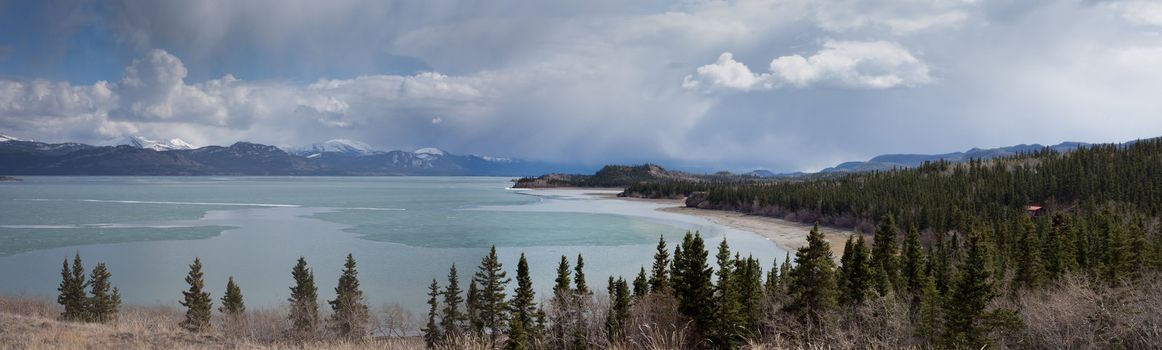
pixel 403 231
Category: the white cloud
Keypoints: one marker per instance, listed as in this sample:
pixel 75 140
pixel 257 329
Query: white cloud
pixel 898 17
pixel 727 73
pixel 1138 12
pixel 153 95
pixel 866 65
pixel 845 64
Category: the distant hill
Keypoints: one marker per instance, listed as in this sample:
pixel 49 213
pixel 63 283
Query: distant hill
pixel 349 158
pixel 615 176
pixel 889 161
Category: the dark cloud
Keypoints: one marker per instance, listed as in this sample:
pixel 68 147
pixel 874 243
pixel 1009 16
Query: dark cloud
pixel 786 85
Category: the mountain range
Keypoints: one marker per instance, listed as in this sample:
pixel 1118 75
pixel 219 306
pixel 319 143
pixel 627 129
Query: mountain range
pixel 142 156
pixel 137 155
pixel 890 161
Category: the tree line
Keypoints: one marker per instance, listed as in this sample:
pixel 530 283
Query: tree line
pixel 348 320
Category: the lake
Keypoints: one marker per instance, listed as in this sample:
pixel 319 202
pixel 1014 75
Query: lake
pixel 403 231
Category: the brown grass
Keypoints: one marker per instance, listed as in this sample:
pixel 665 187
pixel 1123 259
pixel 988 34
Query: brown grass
pixel 1075 312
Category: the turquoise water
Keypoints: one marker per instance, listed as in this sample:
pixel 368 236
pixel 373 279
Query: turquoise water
pixel 403 231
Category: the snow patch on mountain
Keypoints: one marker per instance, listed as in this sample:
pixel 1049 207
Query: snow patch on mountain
pixel 146 143
pixel 343 146
pixel 430 151
pixel 6 138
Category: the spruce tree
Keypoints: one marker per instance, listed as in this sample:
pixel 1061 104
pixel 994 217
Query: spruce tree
pixel 785 271
pixel 728 317
pixel 1028 274
pixel 928 326
pixel 304 302
pixel 912 266
pixel 748 274
pixel 561 286
pixel 660 274
pixel 579 276
pixel 641 284
pixel 472 308
pixel 197 302
pixel 1061 254
pixel 771 287
pixel 884 263
pixel 856 274
pixel 582 298
pixel 349 312
pixel 692 283
pixel 969 296
pixel 232 306
pixel 618 308
pixel 452 317
pixel 431 330
pixel 492 305
pixel 72 290
pixel 104 302
pixel 812 281
pixel 562 303
pixel 523 305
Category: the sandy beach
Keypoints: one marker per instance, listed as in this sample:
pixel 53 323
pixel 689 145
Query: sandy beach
pixel 788 235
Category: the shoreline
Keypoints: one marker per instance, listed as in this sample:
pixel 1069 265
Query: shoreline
pixel 788 235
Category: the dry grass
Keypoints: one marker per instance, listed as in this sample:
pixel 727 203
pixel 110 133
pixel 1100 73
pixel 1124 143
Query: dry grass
pixel 1075 313
pixel 31 323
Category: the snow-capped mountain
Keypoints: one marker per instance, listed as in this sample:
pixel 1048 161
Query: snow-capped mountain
pixel 429 152
pixel 145 143
pixel 6 138
pixel 344 146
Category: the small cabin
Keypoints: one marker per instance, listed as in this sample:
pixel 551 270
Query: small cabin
pixel 1033 210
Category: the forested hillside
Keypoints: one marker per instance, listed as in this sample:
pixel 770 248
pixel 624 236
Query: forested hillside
pixel 942 196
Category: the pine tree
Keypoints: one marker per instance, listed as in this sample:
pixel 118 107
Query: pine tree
pixel 452 317
pixel 884 263
pixel 232 308
pixel 72 290
pixel 472 308
pixel 197 302
pixel 304 302
pixel 912 266
pixel 728 318
pixel 579 276
pixel 941 265
pixel 524 307
pixel 563 302
pixel 103 303
pixel 1028 274
pixel 970 295
pixel 1052 249
pixel 692 283
pixel 641 284
pixel 618 308
pixel 582 298
pixel 785 271
pixel 660 276
pixel 856 274
pixel 771 287
pixel 561 287
pixel 350 313
pixel 431 330
pixel 492 305
pixel 748 274
pixel 812 281
pixel 930 306
pixel 1119 251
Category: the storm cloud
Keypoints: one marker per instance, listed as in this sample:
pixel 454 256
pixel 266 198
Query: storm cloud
pixel 784 85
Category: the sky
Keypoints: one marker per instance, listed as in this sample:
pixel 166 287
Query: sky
pixel 785 85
